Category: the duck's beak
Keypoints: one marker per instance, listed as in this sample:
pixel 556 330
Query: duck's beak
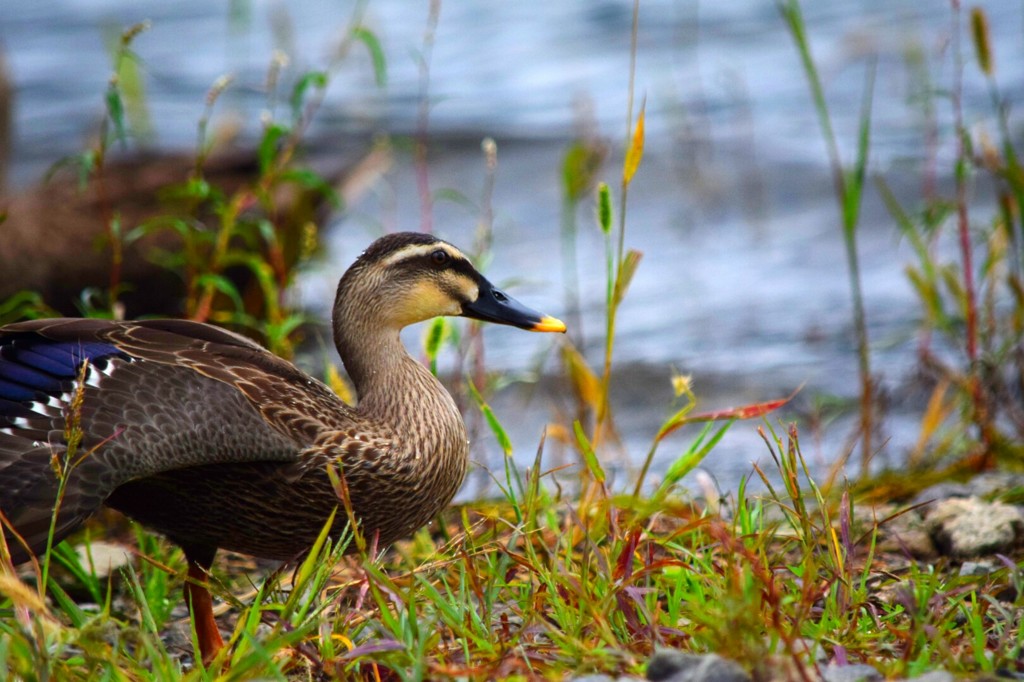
pixel 494 305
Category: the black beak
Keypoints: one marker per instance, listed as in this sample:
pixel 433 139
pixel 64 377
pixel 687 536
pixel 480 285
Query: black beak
pixel 494 305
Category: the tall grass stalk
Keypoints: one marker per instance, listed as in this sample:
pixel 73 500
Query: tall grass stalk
pixel 849 190
pixel 620 272
pixel 975 387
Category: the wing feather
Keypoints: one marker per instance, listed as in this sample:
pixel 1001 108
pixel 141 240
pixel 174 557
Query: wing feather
pixel 158 396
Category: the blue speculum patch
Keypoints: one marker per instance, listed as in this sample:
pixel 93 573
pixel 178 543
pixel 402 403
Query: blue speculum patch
pixel 33 368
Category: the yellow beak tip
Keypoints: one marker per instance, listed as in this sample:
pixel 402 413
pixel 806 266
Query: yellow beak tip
pixel 549 324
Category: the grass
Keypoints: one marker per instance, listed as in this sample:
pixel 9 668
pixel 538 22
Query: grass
pixel 550 579
pixel 538 584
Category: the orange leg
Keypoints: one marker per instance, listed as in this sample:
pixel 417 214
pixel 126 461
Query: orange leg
pixel 201 606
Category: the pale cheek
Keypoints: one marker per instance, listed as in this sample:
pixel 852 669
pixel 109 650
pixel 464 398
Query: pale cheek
pixel 445 307
pixel 427 302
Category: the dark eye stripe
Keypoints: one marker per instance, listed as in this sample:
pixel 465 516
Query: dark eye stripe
pixel 425 263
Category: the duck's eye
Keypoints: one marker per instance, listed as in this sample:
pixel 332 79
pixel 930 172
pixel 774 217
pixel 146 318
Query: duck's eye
pixel 440 257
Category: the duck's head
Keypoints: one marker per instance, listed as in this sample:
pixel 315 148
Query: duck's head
pixel 409 277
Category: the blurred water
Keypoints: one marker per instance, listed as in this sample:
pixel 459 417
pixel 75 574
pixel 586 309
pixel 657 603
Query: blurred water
pixel 510 69
pixel 743 281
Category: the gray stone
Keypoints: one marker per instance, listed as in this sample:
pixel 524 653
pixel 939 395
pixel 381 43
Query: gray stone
pixel 858 672
pixel 805 646
pixel 993 482
pixel 973 568
pixel 669 665
pixel 907 533
pixel 970 527
pixel 932 495
pixel 984 485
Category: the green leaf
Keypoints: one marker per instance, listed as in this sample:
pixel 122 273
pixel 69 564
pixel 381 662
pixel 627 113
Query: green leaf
pixel 75 614
pixel 589 456
pixel 24 304
pixel 582 160
pixel 115 111
pixel 310 179
pixel 259 267
pixel 436 334
pixel 853 180
pixel 267 231
pixel 313 558
pixel 380 66
pixel 311 79
pixel 197 188
pixel 131 86
pixel 692 457
pixel 456 197
pixel 626 271
pixel 277 334
pixel 268 145
pixel 492 420
pixel 224 286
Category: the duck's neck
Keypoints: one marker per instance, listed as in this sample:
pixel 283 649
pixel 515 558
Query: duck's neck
pixel 427 451
pixel 396 390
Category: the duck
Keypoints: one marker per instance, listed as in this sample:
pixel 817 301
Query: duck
pixel 207 438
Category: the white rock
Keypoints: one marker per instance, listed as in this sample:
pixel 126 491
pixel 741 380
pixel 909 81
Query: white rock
pixel 970 527
pixel 106 557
